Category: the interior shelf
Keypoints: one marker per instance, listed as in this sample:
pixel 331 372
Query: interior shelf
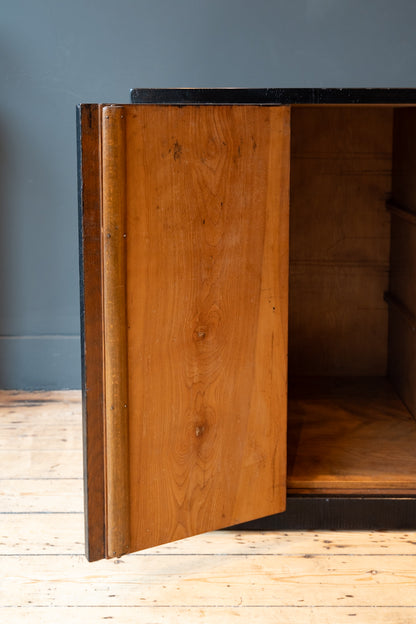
pixel 349 435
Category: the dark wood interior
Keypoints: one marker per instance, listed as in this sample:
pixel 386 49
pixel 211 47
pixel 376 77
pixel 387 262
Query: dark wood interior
pixel 352 301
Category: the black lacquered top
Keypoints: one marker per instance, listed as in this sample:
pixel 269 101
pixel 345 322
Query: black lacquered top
pixel 273 97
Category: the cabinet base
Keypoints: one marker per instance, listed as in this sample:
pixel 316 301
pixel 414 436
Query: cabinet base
pixel 308 513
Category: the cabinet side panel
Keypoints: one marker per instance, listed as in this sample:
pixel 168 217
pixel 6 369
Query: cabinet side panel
pixel 207 293
pixel 89 157
pixel 402 318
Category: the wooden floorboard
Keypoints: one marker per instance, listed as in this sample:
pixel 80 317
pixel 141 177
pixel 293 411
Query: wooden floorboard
pixel 250 577
pixel 41 495
pixel 211 614
pixel 203 580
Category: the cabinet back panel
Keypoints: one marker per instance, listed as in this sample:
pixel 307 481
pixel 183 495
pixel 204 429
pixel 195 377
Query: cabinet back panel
pixel 341 162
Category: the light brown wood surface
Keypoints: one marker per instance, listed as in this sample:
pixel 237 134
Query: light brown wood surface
pixel 89 156
pixel 203 578
pixel 341 161
pixel 116 408
pixel 207 279
pixel 318 577
pixel 209 615
pixel 349 436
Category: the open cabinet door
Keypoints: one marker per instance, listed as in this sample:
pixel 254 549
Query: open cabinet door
pixel 184 247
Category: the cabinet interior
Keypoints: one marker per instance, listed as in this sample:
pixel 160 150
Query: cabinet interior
pixel 352 301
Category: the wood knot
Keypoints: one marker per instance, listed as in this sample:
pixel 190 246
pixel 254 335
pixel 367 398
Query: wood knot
pixel 177 150
pixel 200 333
pixel 199 430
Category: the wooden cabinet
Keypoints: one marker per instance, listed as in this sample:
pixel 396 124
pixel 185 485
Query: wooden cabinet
pixel 248 302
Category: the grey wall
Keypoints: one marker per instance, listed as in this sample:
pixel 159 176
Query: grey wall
pixel 56 53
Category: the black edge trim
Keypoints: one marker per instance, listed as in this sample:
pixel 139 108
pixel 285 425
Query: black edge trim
pixel 82 318
pixel 273 96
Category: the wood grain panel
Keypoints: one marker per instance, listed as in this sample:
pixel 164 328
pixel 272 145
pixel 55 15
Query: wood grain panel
pixel 349 435
pixel 114 237
pixel 332 330
pixel 89 176
pixel 207 271
pixel 339 240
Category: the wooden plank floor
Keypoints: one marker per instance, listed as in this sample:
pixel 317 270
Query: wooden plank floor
pixel 220 577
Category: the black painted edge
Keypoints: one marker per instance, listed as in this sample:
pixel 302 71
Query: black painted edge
pixel 82 317
pixel 347 513
pixel 272 96
pixel 80 243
